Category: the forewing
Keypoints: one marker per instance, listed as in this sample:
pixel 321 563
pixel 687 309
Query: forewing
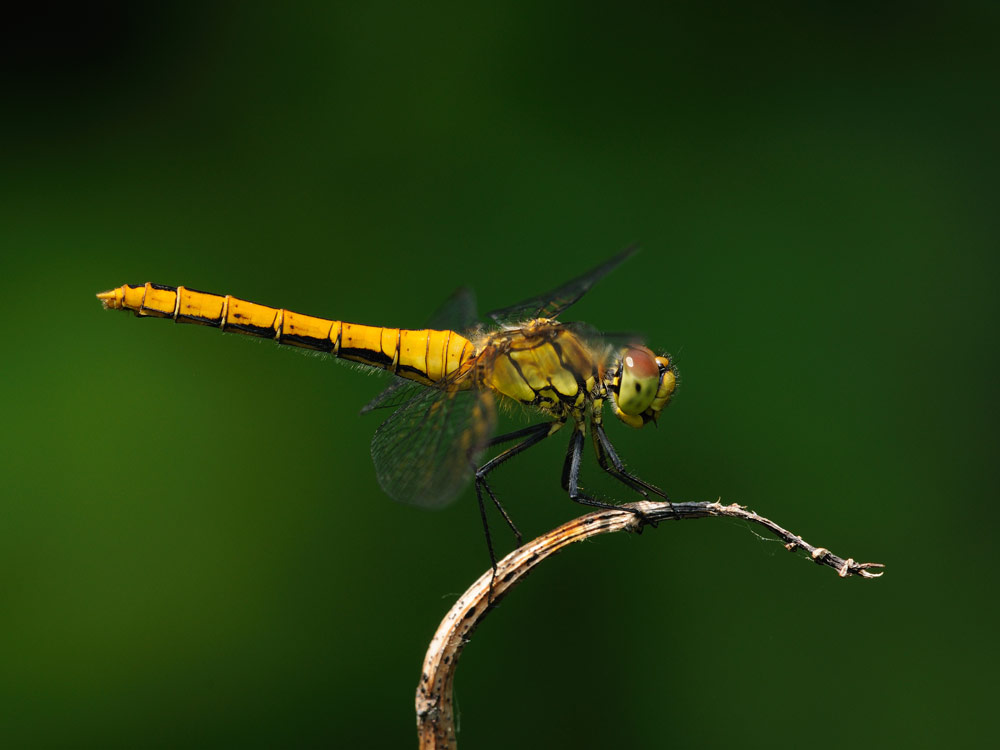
pixel 599 343
pixel 457 313
pixel 425 453
pixel 597 339
pixel 551 304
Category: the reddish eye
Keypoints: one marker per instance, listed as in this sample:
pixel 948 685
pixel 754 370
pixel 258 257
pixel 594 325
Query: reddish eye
pixel 641 362
pixel 639 381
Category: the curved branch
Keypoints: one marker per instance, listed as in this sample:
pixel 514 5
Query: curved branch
pixel 435 719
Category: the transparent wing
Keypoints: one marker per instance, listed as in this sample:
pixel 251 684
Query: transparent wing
pixel 457 313
pixel 551 304
pixel 398 392
pixel 425 453
pixel 598 340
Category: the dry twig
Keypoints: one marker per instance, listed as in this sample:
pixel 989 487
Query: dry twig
pixel 435 718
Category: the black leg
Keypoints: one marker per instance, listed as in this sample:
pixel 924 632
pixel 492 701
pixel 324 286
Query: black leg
pixel 528 431
pixel 482 485
pixel 571 477
pixel 532 435
pixel 486 530
pixel 606 453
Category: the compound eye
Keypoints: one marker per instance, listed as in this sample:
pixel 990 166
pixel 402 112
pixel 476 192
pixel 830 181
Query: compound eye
pixel 640 380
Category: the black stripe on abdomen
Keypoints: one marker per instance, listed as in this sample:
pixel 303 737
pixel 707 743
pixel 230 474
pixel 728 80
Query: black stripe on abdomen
pixel 264 332
pixel 370 356
pixel 308 342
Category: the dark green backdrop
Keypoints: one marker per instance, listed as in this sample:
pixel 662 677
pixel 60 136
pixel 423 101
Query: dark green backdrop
pixel 194 550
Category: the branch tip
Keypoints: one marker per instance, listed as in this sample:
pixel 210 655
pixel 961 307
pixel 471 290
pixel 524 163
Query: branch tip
pixel 862 570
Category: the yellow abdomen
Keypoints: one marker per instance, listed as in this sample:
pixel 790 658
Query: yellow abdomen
pixel 426 356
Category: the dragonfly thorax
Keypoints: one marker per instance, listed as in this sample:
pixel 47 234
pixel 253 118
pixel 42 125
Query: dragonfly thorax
pixel 542 364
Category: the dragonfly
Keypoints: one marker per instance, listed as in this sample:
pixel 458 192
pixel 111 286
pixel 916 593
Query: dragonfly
pixel 451 376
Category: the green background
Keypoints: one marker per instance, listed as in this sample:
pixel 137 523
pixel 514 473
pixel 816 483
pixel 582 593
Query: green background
pixel 193 546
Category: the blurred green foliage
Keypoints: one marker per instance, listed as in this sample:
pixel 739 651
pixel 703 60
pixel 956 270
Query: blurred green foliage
pixel 194 548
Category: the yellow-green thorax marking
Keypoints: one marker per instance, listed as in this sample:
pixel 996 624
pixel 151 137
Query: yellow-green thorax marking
pixel 542 364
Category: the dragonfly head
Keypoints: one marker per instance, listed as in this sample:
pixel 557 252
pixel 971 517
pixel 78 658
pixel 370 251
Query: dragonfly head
pixel 641 384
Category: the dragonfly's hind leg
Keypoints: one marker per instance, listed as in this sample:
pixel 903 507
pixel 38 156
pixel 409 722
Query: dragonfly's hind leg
pixel 571 479
pixel 531 435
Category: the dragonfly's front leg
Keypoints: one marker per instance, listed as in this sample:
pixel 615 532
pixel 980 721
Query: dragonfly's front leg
pixel 608 458
pixel 571 476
